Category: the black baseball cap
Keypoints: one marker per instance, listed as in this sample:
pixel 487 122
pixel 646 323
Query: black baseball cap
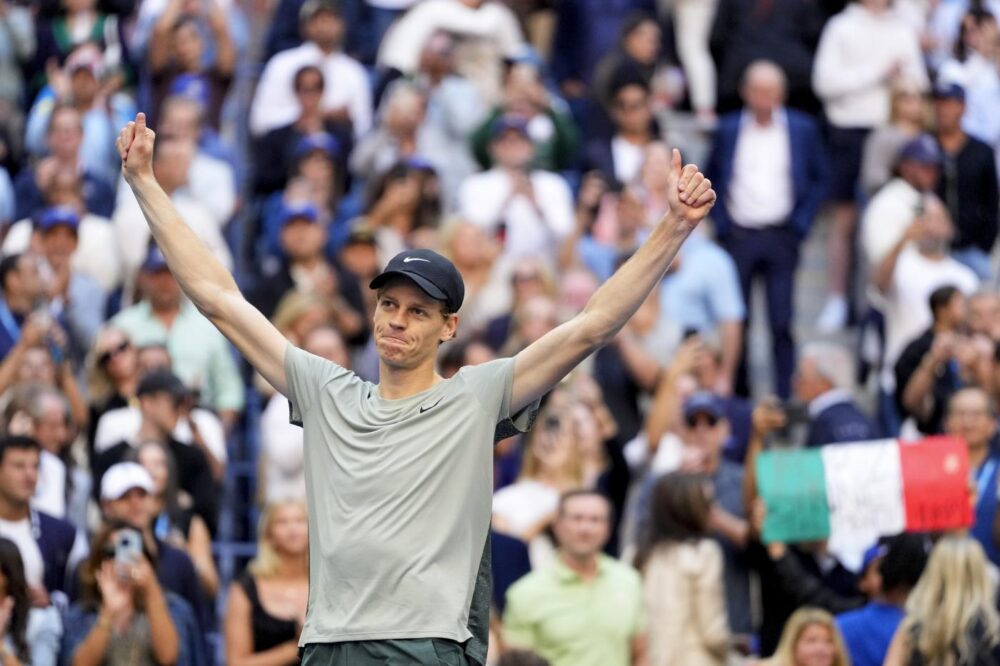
pixel 162 381
pixel 434 274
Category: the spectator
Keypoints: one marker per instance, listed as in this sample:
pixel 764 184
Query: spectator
pixel 487 286
pixel 22 289
pixel 895 206
pixel 529 210
pixel 782 31
pixel 172 165
pixel 397 137
pixel 972 416
pixel 951 614
pixel 908 115
pixel 176 58
pixel 64 139
pixel 682 572
pixel 347 96
pixel 77 22
pixel 868 631
pixel 692 22
pixel 973 68
pixel 282 463
pixel 60 482
pixel 939 362
pixel 165 317
pixel 529 277
pixel 984 314
pixel 404 206
pixel 564 612
pixel 267 605
pixel 916 266
pixel 160 395
pixel 126 493
pixel 124 612
pixel 112 377
pixel 825 381
pixel 489 30
pixel 620 158
pixel 275 152
pixel 854 79
pixel 15 52
pixel 175 522
pixel 17 612
pixel 968 183
pixel 810 638
pixel 769 170
pixel 547 119
pixel 589 244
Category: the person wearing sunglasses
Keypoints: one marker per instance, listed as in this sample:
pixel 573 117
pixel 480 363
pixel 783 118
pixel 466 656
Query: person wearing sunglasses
pixel 112 373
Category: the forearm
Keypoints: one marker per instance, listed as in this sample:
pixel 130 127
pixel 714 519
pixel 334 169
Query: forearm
pixel 77 404
pixel 282 655
pixel 643 368
pixel 882 277
pixel 196 269
pixel 165 643
pixel 663 413
pixel 92 650
pixel 919 387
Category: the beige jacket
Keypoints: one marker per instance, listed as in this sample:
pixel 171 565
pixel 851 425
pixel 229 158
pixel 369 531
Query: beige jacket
pixel 686 605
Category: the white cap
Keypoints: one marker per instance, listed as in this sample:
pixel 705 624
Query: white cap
pixel 123 477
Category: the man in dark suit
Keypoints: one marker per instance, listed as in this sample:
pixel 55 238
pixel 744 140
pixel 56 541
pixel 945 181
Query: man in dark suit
pixel 824 381
pixel 769 169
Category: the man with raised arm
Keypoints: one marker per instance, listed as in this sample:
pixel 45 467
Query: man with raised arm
pixel 399 473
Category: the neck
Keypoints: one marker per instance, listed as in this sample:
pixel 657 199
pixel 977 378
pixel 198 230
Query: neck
pixel 637 137
pixel 763 116
pixel 396 383
pixel 307 263
pixel 12 511
pixel 126 386
pixel 951 138
pixel 978 453
pixel 166 313
pixel 292 567
pixel 327 48
pixel 894 598
pixel 585 566
pixel 149 431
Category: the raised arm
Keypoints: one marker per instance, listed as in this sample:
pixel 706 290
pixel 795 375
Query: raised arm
pixel 204 280
pixel 543 364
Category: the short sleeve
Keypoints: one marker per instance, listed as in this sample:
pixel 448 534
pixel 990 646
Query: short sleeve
pixel 306 374
pixel 492 384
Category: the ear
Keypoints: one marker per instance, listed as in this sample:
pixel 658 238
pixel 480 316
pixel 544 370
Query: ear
pixel 450 328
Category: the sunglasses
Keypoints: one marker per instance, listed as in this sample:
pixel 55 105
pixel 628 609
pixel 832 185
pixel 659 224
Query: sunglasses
pixel 114 351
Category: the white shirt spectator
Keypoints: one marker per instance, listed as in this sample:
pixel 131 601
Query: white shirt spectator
pixel 274 103
pixel 981 81
pixel 282 459
pixel 908 313
pixel 887 217
pixel 485 199
pixel 19 531
pixel 761 191
pixel 628 159
pixel 123 424
pixel 856 53
pixel 97 254
pixel 50 493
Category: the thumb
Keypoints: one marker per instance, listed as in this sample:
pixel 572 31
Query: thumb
pixel 676 163
pixel 140 123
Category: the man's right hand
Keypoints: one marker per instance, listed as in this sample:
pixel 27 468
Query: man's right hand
pixel 135 147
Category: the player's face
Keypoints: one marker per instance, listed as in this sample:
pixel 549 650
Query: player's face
pixel 409 326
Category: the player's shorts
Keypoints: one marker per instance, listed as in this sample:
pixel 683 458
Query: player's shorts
pixel 393 652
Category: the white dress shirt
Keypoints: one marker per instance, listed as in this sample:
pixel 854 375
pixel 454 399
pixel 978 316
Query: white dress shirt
pixel 760 194
pixel 484 199
pixel 346 85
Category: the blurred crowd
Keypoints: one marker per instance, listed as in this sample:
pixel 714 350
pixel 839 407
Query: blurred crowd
pixel 151 487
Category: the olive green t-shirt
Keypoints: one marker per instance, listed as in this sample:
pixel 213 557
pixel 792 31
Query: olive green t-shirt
pixel 399 495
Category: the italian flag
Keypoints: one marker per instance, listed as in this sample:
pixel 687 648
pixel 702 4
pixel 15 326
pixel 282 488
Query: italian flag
pixel 851 494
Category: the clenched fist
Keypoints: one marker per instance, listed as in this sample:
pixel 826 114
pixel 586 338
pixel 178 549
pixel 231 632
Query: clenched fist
pixel 135 147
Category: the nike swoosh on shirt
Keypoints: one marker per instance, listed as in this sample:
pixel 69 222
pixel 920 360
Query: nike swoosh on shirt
pixel 427 409
pixel 409 259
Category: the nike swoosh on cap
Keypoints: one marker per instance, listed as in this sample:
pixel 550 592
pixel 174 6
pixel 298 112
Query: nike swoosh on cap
pixel 409 259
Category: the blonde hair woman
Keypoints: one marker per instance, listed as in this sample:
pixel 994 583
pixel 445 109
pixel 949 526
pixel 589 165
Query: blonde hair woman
pixel 810 638
pixel 267 605
pixel 951 616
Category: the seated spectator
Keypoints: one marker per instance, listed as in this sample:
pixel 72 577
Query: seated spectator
pixel 84 84
pixel 489 32
pixel 175 521
pixel 950 617
pixel 267 605
pixel 531 320
pixel 346 97
pixel 397 137
pixel 18 614
pixel 941 361
pixel 868 631
pixel 639 43
pixel 971 67
pixel 584 608
pixel 22 288
pixel 824 381
pixel 97 255
pixel 967 183
pixel 112 377
pixel 306 270
pixel 282 464
pixel 124 614
pixel 403 207
pixel 529 210
pixel 916 265
pixel 682 575
pixel 126 494
pixel 160 396
pixel 620 157
pixel 546 118
pixel 63 486
pixel 529 277
pixel 64 140
pixel 172 166
pixel 810 638
pixel 165 317
pixel 487 283
pixel 972 416
pixel 907 120
pixel 176 58
pixel 274 153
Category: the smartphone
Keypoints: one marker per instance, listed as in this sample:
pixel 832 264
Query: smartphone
pixel 128 548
